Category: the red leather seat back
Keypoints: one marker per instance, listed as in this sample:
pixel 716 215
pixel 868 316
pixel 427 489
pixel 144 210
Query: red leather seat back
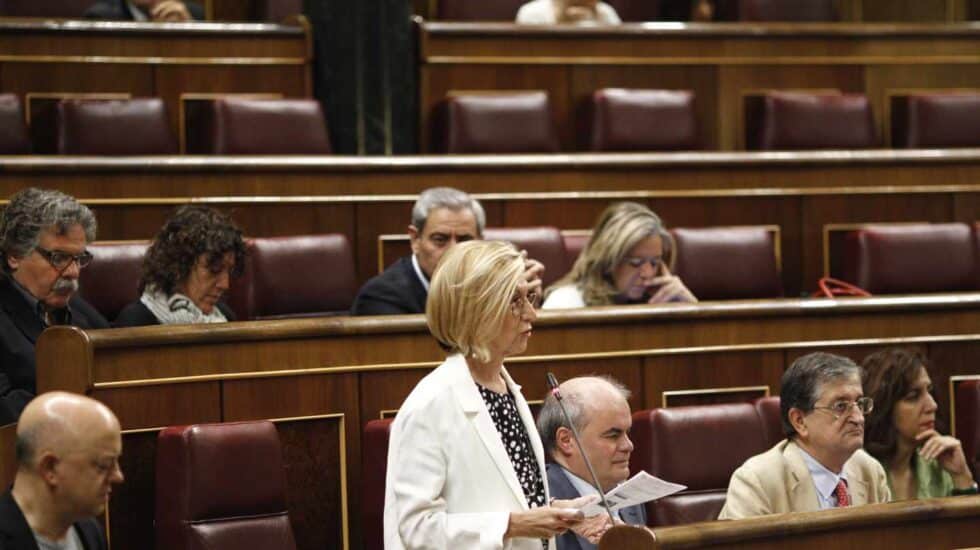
pixel 112 279
pixel 243 126
pixel 771 417
pixel 375 468
pixel 114 127
pixel 517 122
pixel 786 10
pixel 681 444
pixel 221 486
pixel 14 138
pixel 296 276
pixel 479 10
pixel 727 263
pixel 936 120
pixel 968 421
pixel 914 258
pixel 275 11
pixel 798 120
pixel 574 245
pixel 543 244
pixel 643 120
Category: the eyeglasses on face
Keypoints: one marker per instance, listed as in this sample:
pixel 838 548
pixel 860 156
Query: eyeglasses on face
pixel 532 299
pixel 842 407
pixel 61 260
pixel 637 262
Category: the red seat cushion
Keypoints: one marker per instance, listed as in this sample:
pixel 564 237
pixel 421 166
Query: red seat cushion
pixel 14 139
pixel 937 120
pixel 240 126
pixel 968 421
pixel 495 123
pixel 643 120
pixel 114 127
pixel 375 468
pixel 111 281
pixel 543 244
pixel 904 258
pixel 727 263
pixel 796 120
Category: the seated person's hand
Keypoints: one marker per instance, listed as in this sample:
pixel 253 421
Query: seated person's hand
pixel 948 451
pixel 547 521
pixel 669 288
pixel 533 270
pixel 171 11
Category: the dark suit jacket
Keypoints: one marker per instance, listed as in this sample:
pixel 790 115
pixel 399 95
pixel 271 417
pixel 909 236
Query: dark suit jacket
pixel 397 291
pixel 117 10
pixel 563 489
pixel 20 327
pixel 16 534
pixel 135 314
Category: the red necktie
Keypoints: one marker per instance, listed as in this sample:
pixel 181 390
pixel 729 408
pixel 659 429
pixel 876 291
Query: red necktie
pixel 843 498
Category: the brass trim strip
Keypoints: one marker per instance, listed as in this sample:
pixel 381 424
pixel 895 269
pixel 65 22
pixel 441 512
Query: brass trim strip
pixel 693 60
pixel 131 60
pixel 665 395
pixel 647 352
pixel 387 413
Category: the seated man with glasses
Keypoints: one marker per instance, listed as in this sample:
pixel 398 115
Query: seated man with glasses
pixel 820 464
pixel 43 235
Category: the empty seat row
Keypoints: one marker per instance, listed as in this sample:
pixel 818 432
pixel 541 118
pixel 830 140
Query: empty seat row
pixel 666 120
pixel 141 126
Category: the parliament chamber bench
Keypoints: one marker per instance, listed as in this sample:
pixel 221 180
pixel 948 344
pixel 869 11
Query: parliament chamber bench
pixel 321 379
pixel 364 198
pixel 173 61
pixel 720 63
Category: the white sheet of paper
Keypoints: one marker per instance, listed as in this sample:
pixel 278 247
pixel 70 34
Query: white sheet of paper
pixel 638 489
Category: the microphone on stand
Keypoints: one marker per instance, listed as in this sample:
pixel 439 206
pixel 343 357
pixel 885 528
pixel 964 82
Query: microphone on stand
pixel 553 384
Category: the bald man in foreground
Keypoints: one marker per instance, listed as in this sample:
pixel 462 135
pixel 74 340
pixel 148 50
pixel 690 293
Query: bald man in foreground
pixel 68 449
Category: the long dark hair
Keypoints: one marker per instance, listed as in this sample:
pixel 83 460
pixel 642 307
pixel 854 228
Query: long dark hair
pixel 888 376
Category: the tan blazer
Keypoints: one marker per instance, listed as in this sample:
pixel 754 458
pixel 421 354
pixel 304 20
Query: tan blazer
pixel 778 481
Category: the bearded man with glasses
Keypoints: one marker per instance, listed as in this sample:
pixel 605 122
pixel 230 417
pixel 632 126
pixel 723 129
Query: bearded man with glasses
pixel 43 235
pixel 820 464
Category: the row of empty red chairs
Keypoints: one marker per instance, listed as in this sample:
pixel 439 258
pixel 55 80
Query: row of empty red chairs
pixel 141 126
pixel 652 10
pixel 492 122
pixel 666 120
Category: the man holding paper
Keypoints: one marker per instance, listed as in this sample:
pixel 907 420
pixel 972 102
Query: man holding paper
pixel 598 408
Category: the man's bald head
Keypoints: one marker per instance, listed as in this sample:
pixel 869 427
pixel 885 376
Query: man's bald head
pixel 581 397
pixel 59 422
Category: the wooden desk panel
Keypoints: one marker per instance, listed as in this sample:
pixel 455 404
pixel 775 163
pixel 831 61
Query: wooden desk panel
pixel 340 372
pixel 908 525
pixel 719 62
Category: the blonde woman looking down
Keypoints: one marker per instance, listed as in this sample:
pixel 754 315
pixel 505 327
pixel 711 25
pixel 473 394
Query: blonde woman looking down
pixel 465 463
pixel 626 261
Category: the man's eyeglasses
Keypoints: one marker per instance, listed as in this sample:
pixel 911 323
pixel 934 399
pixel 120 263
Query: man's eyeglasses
pixel 841 408
pixel 61 260
pixel 517 304
pixel 637 262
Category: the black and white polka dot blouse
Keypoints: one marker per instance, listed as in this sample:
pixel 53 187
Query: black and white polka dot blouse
pixel 503 411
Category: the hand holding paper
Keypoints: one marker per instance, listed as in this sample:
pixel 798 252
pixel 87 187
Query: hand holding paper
pixel 638 489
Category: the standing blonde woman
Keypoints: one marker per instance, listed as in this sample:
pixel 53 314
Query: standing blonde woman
pixel 465 463
pixel 626 261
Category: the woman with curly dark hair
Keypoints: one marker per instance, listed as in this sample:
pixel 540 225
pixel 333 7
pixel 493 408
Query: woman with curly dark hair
pixel 901 430
pixel 187 269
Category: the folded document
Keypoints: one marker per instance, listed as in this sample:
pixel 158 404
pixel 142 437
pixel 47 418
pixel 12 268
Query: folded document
pixel 638 489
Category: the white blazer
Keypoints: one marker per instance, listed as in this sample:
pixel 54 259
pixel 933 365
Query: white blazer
pixel 450 482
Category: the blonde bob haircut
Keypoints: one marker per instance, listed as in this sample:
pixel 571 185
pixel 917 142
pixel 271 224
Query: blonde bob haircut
pixel 620 227
pixel 470 296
